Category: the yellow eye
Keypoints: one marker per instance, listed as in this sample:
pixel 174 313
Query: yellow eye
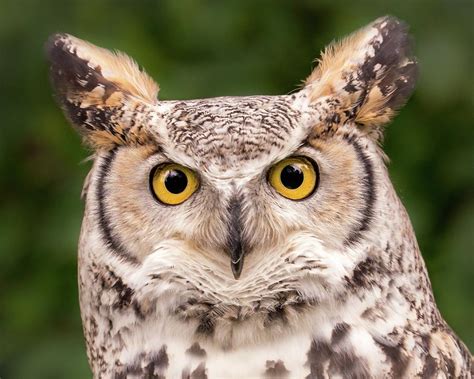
pixel 294 178
pixel 172 183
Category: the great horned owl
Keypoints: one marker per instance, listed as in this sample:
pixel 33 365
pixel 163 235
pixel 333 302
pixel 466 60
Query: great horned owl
pixel 244 237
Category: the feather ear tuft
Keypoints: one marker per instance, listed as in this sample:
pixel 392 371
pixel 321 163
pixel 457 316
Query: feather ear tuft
pixel 371 74
pixel 99 90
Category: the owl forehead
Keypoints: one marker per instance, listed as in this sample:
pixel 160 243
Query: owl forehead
pixel 229 133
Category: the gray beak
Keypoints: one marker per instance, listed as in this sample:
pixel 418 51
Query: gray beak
pixel 235 245
pixel 237 259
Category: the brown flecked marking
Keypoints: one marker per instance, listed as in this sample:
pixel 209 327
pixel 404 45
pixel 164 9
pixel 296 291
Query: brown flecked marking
pixel 339 332
pixel 124 293
pixel 323 361
pixel 396 355
pixel 196 350
pixel 347 365
pixel 151 365
pixel 318 354
pixel 365 274
pixel 278 314
pixel 276 369
pixel 206 326
pixel 199 372
pixel 161 360
pixel 430 368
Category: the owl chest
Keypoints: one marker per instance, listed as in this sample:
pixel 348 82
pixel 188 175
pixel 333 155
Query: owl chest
pixel 126 339
pixel 131 336
pixel 188 358
pixel 166 348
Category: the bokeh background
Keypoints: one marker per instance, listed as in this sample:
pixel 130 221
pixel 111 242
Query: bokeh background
pixel 201 49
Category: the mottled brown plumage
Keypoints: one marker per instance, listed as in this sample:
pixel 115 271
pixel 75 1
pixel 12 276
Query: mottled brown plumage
pixel 239 280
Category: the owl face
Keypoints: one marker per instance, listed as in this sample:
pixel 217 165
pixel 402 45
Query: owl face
pixel 240 210
pixel 244 201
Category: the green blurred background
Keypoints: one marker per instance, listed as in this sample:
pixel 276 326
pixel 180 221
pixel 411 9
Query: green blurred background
pixel 201 49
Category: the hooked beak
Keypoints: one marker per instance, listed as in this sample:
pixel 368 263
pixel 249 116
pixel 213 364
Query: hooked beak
pixel 237 259
pixel 235 245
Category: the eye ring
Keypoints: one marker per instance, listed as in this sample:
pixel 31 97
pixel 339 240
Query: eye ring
pixel 295 178
pixel 172 184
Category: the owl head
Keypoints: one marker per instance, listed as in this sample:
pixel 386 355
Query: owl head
pixel 239 203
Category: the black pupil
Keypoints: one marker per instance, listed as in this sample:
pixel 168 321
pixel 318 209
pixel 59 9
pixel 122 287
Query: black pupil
pixel 292 176
pixel 176 181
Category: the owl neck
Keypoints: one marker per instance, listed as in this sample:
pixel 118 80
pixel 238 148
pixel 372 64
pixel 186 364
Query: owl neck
pixel 381 309
pixel 389 288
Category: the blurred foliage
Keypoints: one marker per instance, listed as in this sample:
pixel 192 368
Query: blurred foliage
pixel 201 49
